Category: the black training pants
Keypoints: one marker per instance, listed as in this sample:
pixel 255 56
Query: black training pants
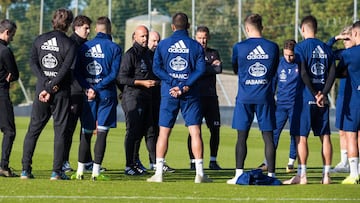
pixel 58 107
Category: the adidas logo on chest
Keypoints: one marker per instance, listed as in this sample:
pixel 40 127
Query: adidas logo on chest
pixel 50 45
pixel 257 53
pixel 95 52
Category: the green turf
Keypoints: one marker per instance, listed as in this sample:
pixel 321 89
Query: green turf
pixel 179 186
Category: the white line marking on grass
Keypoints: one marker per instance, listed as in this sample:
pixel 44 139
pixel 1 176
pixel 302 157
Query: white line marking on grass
pixel 177 198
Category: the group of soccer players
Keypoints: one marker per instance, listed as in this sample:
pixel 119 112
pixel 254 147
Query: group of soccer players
pixel 302 80
pixel 306 73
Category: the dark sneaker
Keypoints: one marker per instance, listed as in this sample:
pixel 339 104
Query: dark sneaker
pixel 263 167
pixel 213 165
pixel 192 166
pixel 66 167
pixel 134 171
pixel 7 173
pixel 290 169
pixel 27 175
pixel 141 166
pixel 59 176
pixel 89 168
pixel 168 169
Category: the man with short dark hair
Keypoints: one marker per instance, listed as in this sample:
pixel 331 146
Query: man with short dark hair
pixel 8 73
pixel 255 60
pixel 208 97
pixel 178 69
pixel 96 69
pixel 81 31
pixel 52 58
pixel 317 68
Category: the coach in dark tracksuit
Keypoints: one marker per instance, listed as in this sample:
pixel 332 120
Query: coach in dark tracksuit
pixel 52 57
pixel 137 77
pixel 8 73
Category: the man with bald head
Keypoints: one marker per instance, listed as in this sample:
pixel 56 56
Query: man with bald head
pixel 137 79
pixel 96 70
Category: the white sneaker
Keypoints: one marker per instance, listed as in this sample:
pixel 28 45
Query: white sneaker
pixel 296 180
pixel 155 178
pixel 232 181
pixel 202 179
pixel 340 168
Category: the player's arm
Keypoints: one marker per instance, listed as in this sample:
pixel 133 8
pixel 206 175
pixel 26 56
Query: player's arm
pixel 159 69
pixel 114 71
pixel 200 68
pixel 215 65
pixel 67 65
pixel 234 60
pixel 306 78
pixel 10 65
pixel 36 68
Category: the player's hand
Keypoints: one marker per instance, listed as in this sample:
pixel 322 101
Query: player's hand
pixel 146 83
pixel 185 89
pixel 175 92
pixel 91 94
pixel 216 63
pixel 44 96
pixel 55 88
pixel 320 99
pixel 8 77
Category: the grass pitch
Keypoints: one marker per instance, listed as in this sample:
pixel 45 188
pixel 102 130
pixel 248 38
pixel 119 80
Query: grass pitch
pixel 178 186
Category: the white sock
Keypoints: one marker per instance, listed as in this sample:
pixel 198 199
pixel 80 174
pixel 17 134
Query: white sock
pixel 213 158
pixel 192 160
pixel 302 169
pixel 96 170
pixel 354 163
pixel 80 169
pixel 239 172
pixel 343 157
pixel 291 161
pixel 271 175
pixel 199 167
pixel 326 169
pixel 159 166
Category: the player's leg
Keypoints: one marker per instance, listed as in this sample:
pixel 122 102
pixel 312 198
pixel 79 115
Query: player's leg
pixel 40 115
pixel 60 113
pixel 212 118
pixel 242 119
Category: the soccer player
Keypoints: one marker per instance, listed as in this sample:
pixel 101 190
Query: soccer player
pixel 179 61
pixel 287 80
pixel 343 165
pixel 81 31
pixel 97 66
pixel 8 73
pixel 311 106
pixel 255 60
pixel 153 132
pixel 208 97
pixel 137 77
pixel 52 58
pixel 350 60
